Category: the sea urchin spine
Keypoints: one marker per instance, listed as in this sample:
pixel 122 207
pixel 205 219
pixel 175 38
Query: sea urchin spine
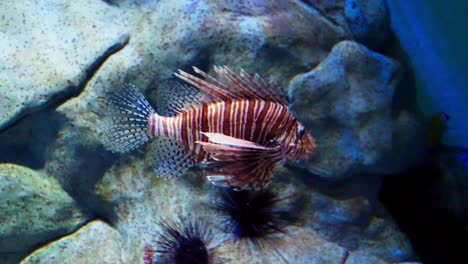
pixel 182 241
pixel 254 215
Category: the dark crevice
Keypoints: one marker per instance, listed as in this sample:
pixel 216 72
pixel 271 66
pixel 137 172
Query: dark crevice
pixel 345 257
pixel 111 2
pixel 423 210
pixel 320 12
pixel 81 181
pixel 31 141
pixel 63 96
pixel 27 141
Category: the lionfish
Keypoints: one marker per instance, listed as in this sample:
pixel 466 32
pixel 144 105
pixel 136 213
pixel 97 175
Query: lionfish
pixel 238 126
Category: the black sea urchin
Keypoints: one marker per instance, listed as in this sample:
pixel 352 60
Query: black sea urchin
pixel 254 215
pixel 182 241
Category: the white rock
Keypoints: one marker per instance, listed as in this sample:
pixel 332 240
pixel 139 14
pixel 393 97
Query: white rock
pixel 96 243
pixel 48 49
pixel 33 208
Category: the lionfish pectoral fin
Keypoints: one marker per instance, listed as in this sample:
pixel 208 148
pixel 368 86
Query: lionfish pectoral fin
pixel 223 139
pixel 169 158
pixel 239 163
pixel 218 180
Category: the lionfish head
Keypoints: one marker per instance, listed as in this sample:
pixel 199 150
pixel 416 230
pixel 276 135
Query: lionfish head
pixel 302 145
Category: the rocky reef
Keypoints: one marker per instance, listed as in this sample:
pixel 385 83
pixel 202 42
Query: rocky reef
pixel 346 102
pixel 62 56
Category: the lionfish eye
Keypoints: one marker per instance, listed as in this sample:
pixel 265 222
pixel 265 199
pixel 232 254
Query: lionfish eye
pixel 300 132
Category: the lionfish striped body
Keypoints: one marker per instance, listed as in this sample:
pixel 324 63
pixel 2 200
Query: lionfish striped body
pixel 253 120
pixel 241 131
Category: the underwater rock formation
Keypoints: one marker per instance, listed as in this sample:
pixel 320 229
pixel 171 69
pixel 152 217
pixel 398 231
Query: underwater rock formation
pixel 34 209
pixel 328 228
pixel 49 49
pixel 279 38
pixel 346 103
pixel 96 242
pixel 369 21
pixel 366 21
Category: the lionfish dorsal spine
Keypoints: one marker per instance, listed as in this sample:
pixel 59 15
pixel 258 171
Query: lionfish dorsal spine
pixel 233 86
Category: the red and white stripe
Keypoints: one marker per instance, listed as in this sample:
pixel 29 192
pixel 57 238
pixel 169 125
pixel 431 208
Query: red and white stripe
pixel 254 120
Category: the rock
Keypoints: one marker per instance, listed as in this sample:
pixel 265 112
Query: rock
pixel 96 242
pixel 233 34
pixel 49 50
pixel 28 142
pixel 12 258
pixel 333 10
pixel 451 184
pixel 358 257
pixel 327 228
pixel 34 209
pixel 409 142
pixel 369 21
pixel 278 38
pixel 248 35
pixel 355 224
pixel 346 104
pixel 302 246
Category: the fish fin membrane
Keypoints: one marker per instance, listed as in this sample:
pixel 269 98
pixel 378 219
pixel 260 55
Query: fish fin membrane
pixel 126 114
pixel 174 97
pixel 169 158
pixel 233 86
pixel 238 163
pixel 321 171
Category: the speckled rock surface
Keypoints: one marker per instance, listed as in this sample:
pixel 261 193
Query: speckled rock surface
pixel 359 257
pixel 34 209
pixel 260 36
pixel 369 21
pixel 48 50
pixel 346 103
pixel 279 38
pixel 328 229
pixel 96 242
pixel 366 20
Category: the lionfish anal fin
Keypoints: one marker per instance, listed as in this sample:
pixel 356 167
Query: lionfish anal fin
pixel 169 158
pixel 239 163
pixel 232 86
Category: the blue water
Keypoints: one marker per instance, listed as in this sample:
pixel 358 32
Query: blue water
pixel 434 35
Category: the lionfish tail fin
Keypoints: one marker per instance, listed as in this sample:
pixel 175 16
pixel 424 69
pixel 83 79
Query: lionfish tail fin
pixel 127 114
pixel 239 163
